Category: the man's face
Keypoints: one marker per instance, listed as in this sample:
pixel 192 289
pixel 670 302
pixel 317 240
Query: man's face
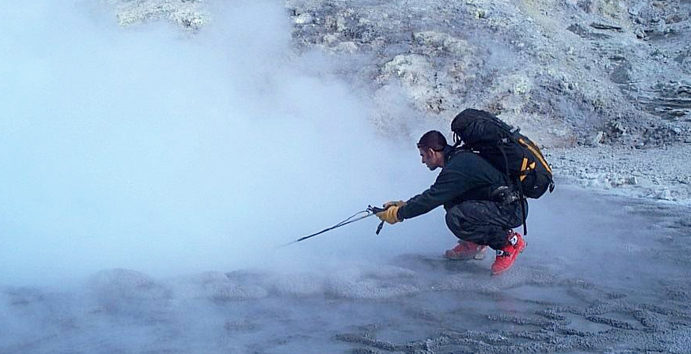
pixel 430 158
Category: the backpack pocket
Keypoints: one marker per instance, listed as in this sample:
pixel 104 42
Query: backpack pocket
pixel 534 183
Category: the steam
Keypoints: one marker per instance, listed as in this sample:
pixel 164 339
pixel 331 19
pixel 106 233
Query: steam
pixel 148 150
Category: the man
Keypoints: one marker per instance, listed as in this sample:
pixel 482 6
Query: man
pixel 481 206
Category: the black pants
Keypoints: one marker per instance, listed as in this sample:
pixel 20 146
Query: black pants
pixel 484 222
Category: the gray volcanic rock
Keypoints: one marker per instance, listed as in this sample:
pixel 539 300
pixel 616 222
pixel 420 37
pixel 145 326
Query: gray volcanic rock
pixel 185 13
pixel 575 67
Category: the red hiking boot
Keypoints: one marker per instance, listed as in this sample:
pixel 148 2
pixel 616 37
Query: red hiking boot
pixel 465 251
pixel 507 255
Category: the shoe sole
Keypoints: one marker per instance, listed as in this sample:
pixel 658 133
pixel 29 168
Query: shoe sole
pixel 525 245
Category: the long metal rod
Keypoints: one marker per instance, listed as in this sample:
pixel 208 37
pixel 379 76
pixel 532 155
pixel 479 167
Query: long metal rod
pixel 329 229
pixel 370 212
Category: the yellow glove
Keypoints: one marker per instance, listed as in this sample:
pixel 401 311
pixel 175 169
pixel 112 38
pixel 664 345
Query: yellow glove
pixel 390 215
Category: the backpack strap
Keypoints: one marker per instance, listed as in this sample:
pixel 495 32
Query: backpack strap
pixel 522 200
pixel 518 183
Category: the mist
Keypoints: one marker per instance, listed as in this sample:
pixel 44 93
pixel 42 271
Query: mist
pixel 150 178
pixel 168 153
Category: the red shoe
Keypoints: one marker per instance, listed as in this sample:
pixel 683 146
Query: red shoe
pixel 507 255
pixel 465 251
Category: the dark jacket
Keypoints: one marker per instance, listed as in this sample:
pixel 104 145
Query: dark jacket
pixel 465 176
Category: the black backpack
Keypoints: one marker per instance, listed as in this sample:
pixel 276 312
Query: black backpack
pixel 506 149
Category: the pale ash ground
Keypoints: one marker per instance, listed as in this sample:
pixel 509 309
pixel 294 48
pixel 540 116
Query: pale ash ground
pixel 662 174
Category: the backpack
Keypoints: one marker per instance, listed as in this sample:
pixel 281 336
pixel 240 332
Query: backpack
pixel 506 149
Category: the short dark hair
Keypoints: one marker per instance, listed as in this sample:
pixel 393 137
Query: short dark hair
pixel 432 140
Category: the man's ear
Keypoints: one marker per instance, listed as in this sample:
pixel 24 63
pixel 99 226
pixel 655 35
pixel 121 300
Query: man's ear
pixel 439 154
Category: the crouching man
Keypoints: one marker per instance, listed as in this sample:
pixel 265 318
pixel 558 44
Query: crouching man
pixel 481 206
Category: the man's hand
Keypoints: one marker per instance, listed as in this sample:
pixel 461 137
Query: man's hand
pixel 390 215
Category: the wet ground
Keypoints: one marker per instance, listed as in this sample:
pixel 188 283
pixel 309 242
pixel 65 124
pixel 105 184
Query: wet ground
pixel 601 274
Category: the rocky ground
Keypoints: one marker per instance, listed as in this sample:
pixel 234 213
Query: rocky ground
pixel 604 86
pixel 618 284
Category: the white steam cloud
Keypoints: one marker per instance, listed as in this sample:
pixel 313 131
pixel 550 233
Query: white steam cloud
pixel 145 150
